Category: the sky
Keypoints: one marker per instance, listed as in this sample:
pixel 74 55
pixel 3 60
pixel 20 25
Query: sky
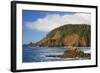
pixel 36 24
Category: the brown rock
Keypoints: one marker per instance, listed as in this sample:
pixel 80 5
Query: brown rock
pixel 72 53
pixel 74 40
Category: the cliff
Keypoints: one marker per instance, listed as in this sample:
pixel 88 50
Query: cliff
pixel 77 35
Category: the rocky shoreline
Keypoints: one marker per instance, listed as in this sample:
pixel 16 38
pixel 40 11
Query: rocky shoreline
pixel 72 53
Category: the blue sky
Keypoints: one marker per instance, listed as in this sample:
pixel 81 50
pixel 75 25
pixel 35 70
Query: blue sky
pixel 36 24
pixel 31 16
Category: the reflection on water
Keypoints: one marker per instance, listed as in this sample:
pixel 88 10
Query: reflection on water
pixel 38 54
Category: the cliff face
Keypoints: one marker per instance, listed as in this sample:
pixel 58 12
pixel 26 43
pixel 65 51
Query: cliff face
pixel 68 35
pixel 74 40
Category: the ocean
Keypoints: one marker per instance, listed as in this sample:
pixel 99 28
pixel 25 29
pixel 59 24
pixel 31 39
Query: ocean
pixel 39 54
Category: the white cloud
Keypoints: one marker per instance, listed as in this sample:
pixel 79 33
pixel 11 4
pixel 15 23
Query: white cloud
pixel 50 22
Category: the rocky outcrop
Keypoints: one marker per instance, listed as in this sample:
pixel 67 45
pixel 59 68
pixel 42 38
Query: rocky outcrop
pixel 32 44
pixel 72 53
pixel 68 35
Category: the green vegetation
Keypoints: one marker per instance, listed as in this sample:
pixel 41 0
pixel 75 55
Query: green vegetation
pixel 82 30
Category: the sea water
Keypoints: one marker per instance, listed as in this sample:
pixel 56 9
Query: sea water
pixel 39 54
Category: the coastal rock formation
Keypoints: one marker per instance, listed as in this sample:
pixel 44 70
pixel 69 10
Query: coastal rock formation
pixel 76 35
pixel 72 53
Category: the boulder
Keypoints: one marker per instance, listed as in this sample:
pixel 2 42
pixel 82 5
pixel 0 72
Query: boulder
pixel 72 53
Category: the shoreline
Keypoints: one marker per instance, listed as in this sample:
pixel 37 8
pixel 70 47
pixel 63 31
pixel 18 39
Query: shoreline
pixel 58 47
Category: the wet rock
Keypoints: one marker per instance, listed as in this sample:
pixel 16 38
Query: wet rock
pixel 74 52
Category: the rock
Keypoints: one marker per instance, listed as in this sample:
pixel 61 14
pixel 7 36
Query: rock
pixel 73 52
pixel 74 40
pixel 68 35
